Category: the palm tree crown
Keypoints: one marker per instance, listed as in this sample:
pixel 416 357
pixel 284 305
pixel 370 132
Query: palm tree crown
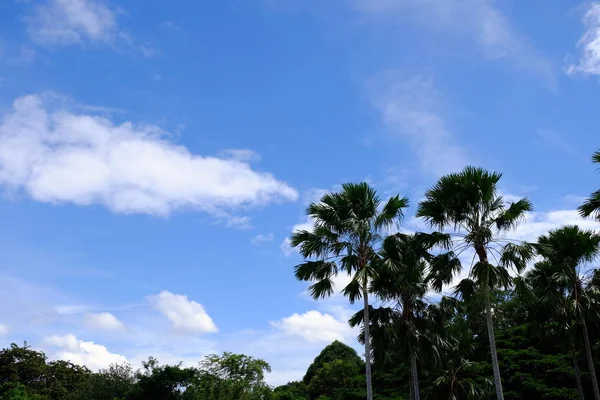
pixel 348 228
pixel 591 207
pixel 469 204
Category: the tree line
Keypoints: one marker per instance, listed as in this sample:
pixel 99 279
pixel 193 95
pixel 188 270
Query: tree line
pixel 470 242
pixel 462 311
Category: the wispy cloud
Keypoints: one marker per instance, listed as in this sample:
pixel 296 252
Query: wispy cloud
pixel 65 22
pixel 60 23
pixel 59 156
pixel 262 239
pixel 478 21
pixel 410 108
pixel 589 44
pixel 557 141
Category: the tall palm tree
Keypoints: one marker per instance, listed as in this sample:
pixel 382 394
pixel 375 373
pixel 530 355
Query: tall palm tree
pixel 347 232
pixel 551 311
pixel 410 325
pixel 591 207
pixel 469 205
pixel 568 251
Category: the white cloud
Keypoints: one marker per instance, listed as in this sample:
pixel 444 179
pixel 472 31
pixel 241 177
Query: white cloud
pixel 410 109
pixel 262 239
pixel 64 22
pixel 103 321
pixel 4 330
pixel 237 222
pixel 186 315
pixel 58 156
pixel 314 327
pixel 589 44
pixel 539 223
pixel 93 356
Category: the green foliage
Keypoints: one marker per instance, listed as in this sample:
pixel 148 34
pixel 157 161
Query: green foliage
pixel 335 351
pixel 337 380
pixel 291 391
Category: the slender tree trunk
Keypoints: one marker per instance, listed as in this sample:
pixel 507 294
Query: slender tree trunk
pixel 366 322
pixel 481 252
pixel 492 339
pixel 577 373
pixel 590 359
pixel 414 376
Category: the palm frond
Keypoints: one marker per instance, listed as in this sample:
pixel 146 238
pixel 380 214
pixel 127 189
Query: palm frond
pixel 591 207
pixel 315 270
pixel 465 289
pixel 321 289
pixel 517 256
pixel 443 269
pixel 392 211
pixel 515 213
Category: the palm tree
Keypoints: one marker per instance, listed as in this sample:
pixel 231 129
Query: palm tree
pixel 348 228
pixel 410 325
pixel 568 250
pixel 591 207
pixel 468 203
pixel 551 309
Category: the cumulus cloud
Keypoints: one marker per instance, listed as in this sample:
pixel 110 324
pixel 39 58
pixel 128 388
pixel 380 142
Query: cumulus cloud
pixel 64 22
pixel 539 223
pixel 93 356
pixel 589 44
pixel 314 327
pixel 410 109
pixel 59 156
pixel 4 330
pixel 103 321
pixel 185 315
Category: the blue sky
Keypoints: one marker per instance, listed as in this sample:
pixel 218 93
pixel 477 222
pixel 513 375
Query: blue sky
pixel 155 156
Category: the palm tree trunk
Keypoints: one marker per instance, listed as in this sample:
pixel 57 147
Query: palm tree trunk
pixel 590 359
pixel 481 252
pixel 492 339
pixel 414 376
pixel 577 374
pixel 366 322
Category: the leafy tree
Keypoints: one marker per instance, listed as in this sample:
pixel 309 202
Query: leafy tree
pixel 239 375
pixel 20 392
pixel 469 204
pixel 166 382
pixel 347 230
pixel 21 366
pixel 332 352
pixel 116 382
pixel 591 207
pixel 337 380
pixel 291 391
pixel 64 378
